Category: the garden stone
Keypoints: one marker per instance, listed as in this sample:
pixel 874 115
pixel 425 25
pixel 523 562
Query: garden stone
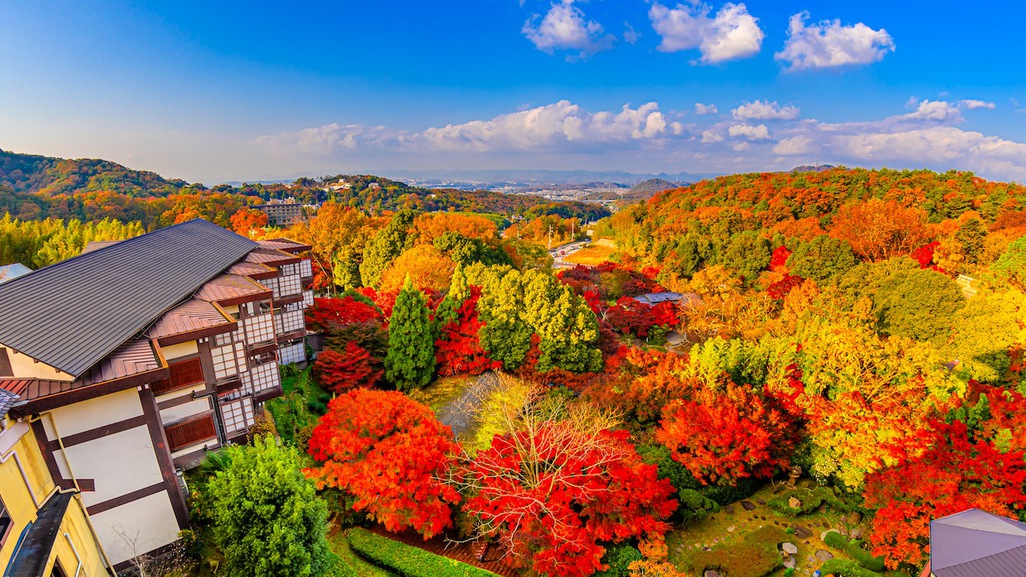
pixel 760 501
pixel 790 563
pixel 824 555
pixel 855 518
pixel 712 573
pixel 794 503
pixel 802 532
pixel 729 509
pixel 731 529
pixel 856 533
pixel 748 505
pixel 790 548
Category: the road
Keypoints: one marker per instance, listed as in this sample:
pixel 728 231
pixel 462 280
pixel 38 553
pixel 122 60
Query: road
pixel 563 251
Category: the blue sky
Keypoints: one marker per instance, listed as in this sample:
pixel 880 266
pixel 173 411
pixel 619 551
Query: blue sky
pixel 214 91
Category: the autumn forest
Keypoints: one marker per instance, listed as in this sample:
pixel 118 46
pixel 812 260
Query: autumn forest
pixel 841 351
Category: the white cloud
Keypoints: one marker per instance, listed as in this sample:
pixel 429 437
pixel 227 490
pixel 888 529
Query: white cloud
pixel 828 44
pixel 630 36
pixel 705 108
pixel 750 132
pixel 939 110
pixel 565 28
pixel 550 126
pixel 974 104
pixel 711 136
pixel 332 137
pixel 731 34
pixel 764 110
pixel 741 147
pixel 794 145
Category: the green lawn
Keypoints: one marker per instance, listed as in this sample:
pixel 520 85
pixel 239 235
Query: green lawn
pixel 349 563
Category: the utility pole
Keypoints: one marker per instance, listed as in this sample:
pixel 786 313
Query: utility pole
pixel 550 237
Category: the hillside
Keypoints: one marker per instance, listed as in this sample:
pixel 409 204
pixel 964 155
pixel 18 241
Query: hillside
pixel 34 187
pixel 648 189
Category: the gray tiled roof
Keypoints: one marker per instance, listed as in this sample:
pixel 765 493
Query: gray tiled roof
pixel 975 543
pixel 72 314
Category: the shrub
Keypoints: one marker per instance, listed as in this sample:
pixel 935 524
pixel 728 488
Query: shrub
pixel 618 559
pixel 727 494
pixel 846 568
pixel 854 550
pixel 409 561
pixel 810 498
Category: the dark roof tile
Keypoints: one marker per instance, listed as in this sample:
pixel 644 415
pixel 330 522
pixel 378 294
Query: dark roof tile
pixel 72 314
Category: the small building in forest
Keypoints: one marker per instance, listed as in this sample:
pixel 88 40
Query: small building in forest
pixel 975 543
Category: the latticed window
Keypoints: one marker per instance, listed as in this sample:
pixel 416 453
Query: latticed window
pixel 191 431
pixel 291 319
pixel 237 415
pixel 289 285
pixel 183 374
pixel 308 299
pixel 259 329
pixel 305 268
pixel 262 378
pixel 293 353
pixel 228 354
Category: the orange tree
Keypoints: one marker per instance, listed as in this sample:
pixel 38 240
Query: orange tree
pixel 390 454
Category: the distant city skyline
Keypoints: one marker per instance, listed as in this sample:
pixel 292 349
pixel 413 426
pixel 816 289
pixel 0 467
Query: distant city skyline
pixel 260 91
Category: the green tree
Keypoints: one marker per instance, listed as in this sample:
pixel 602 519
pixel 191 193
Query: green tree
pixel 747 253
pixel 268 519
pixel 410 361
pixel 385 246
pixel 821 258
pixel 1011 265
pixel 983 332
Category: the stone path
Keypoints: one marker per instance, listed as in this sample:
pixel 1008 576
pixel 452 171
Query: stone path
pixel 459 413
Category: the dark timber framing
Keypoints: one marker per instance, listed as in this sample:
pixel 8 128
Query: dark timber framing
pixel 163 454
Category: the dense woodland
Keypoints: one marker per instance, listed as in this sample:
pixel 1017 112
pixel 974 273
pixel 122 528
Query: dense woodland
pixel 865 327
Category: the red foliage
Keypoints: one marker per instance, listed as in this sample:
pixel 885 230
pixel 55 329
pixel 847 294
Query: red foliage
pixel 924 255
pixel 778 261
pixel 954 474
pixel 629 316
pixel 644 382
pixel 340 372
pixel 554 495
pixel 331 312
pixel 389 452
pixel 722 437
pixel 780 289
pixel 458 348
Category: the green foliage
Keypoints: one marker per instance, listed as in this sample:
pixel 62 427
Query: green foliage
pixel 40 243
pixel 854 550
pixel 268 519
pixel 846 568
pixel 409 561
pixel 821 258
pixel 746 363
pixel 726 494
pixel 694 505
pixel 410 362
pixel 747 253
pixel 811 500
pixel 386 245
pixel 463 250
pixel 755 556
pixel 296 411
pixel 1011 265
pixel 618 558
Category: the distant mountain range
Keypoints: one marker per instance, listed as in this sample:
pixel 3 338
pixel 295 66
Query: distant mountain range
pixel 526 177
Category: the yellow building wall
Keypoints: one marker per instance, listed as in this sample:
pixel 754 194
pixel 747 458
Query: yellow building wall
pixel 25 367
pixel 18 498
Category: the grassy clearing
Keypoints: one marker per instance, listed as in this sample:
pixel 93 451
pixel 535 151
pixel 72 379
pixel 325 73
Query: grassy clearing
pixel 734 534
pixel 298 409
pixel 595 253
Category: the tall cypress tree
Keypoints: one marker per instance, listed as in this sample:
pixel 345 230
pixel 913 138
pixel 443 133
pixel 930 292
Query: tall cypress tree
pixel 410 361
pixel 385 246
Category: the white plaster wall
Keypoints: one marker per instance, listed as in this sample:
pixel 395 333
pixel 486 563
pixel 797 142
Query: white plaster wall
pixel 211 444
pixel 181 393
pixel 26 367
pixel 120 463
pixel 94 413
pixel 179 350
pixel 149 522
pixel 180 412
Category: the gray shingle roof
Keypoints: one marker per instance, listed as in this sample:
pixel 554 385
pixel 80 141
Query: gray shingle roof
pixel 975 543
pixel 72 314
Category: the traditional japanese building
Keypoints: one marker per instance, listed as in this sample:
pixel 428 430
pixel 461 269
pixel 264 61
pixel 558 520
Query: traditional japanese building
pixel 131 361
pixel 975 543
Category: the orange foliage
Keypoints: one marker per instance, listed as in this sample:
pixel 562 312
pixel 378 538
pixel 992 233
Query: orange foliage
pixel 429 226
pixel 246 220
pixel 881 229
pixel 428 269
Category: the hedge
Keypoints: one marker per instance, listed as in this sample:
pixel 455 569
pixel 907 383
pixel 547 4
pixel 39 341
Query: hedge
pixel 409 561
pixel 854 550
pixel 846 568
pixel 810 498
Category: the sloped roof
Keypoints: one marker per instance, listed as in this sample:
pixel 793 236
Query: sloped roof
pixel 72 314
pixel 190 316
pixel 975 543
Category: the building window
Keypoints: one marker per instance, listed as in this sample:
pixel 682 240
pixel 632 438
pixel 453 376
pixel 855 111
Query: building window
pixel 183 374
pixel 5 523
pixel 191 431
pixel 5 364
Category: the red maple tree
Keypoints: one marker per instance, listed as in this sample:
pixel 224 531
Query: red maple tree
pixel 458 348
pixel 553 492
pixel 327 313
pixel 353 368
pixel 390 453
pixel 955 474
